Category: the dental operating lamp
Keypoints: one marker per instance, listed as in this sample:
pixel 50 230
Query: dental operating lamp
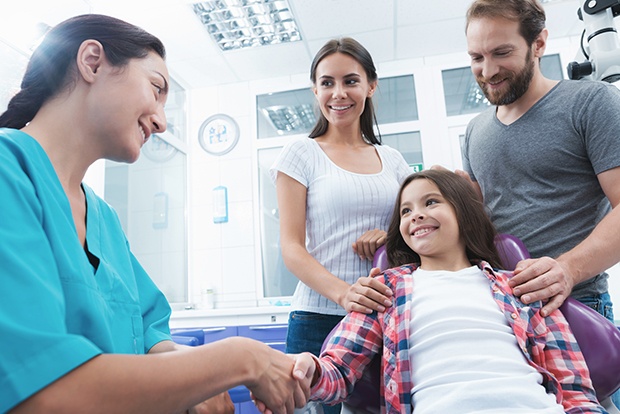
pixel 599 53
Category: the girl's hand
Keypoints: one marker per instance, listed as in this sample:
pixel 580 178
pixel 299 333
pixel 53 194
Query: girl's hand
pixel 305 372
pixel 367 294
pixel 368 243
pixel 277 385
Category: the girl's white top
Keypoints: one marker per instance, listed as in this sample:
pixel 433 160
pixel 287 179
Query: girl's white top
pixel 464 355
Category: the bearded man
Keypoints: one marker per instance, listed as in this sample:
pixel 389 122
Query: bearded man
pixel 545 158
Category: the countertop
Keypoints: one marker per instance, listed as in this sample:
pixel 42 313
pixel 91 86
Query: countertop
pixel 257 315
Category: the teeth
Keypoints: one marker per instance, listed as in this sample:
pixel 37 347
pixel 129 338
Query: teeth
pixel 421 231
pixel 142 132
pixel 340 108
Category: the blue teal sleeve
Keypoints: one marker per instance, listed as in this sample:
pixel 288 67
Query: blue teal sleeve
pixel 35 349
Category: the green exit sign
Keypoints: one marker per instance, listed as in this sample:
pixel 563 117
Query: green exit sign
pixel 417 167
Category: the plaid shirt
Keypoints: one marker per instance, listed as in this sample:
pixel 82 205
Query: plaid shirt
pixel 547 343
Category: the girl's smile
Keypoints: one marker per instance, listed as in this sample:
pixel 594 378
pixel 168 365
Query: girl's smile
pixel 422 231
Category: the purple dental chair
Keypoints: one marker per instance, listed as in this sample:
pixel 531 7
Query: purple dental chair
pixel 598 339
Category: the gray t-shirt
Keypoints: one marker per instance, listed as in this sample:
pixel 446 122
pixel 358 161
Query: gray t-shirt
pixel 538 175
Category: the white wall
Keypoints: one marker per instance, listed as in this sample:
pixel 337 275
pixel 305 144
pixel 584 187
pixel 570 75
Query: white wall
pixel 223 255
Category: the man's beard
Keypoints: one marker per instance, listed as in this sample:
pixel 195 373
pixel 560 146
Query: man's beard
pixel 518 84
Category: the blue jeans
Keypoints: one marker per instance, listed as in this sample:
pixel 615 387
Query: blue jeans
pixel 306 333
pixel 602 304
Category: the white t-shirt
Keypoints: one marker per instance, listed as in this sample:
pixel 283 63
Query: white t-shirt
pixel 464 355
pixel 341 206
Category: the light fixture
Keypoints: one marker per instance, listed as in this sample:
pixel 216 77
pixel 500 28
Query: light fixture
pixel 291 119
pixel 238 24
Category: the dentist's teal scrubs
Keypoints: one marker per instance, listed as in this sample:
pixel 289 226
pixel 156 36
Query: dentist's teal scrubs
pixel 58 309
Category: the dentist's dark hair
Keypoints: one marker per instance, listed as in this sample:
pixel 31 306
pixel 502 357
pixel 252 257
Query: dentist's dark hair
pixel 475 228
pixel 52 67
pixel 353 48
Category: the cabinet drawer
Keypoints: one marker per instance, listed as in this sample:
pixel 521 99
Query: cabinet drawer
pixel 264 332
pixel 219 332
pixel 191 337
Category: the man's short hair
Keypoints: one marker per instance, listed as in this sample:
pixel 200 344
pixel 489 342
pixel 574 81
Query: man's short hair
pixel 528 13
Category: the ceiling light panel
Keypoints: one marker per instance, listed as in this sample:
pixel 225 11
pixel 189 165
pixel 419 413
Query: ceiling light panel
pixel 238 24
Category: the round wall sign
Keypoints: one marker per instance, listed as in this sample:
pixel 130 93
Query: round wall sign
pixel 218 134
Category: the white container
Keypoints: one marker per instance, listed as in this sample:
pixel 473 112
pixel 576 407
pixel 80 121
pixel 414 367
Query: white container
pixel 208 298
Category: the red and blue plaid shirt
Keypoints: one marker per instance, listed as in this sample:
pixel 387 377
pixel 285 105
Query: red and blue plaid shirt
pixel 547 343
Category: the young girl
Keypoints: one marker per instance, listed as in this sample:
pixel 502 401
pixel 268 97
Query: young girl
pixel 457 340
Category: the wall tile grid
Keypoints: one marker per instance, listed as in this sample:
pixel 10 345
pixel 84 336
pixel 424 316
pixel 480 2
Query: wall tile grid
pixel 221 255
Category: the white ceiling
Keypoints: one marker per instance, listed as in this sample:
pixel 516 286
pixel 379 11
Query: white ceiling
pixel 390 30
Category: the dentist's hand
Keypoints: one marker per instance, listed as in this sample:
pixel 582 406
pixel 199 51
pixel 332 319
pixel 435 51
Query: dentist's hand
pixel 303 372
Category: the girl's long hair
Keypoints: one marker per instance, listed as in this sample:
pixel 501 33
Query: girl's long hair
pixel 475 227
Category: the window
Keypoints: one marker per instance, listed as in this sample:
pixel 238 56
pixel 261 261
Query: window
pixel 277 280
pixel 395 100
pixel 463 95
pixel 294 112
pixel 410 146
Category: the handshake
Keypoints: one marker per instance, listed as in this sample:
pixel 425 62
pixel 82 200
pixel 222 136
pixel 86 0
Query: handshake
pixel 282 381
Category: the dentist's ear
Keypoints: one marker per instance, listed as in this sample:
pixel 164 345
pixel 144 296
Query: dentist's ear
pixel 90 57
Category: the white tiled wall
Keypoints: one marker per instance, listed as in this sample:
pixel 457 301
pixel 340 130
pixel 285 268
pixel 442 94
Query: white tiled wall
pixel 160 249
pixel 222 256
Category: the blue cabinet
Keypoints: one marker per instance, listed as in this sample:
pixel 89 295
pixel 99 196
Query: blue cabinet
pixel 272 335
pixel 217 333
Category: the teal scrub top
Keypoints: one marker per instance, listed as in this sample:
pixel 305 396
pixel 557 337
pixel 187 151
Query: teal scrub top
pixel 56 310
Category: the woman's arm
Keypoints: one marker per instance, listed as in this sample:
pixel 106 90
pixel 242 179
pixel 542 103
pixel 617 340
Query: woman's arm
pixel 218 404
pixel 365 296
pixel 172 382
pixel 566 362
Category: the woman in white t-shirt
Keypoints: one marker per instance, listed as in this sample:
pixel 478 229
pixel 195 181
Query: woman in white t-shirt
pixel 335 195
